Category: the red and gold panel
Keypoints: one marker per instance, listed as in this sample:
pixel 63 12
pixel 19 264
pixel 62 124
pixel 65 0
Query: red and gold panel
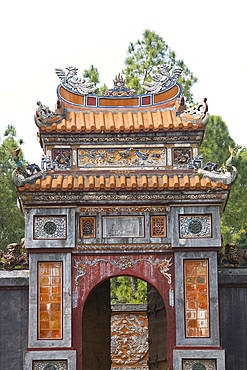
pixel 158 226
pixel 196 298
pixel 88 227
pixel 50 300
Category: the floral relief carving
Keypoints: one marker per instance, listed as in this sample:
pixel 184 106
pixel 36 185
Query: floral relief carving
pixel 123 263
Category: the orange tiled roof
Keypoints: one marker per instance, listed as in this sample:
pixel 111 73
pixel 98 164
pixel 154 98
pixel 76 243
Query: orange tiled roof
pixel 122 182
pixel 116 122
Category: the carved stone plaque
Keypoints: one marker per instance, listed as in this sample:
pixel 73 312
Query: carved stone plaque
pixel 123 227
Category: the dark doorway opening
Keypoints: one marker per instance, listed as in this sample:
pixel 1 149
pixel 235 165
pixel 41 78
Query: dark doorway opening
pixel 137 327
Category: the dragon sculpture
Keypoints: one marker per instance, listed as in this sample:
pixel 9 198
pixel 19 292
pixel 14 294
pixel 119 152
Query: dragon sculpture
pixel 162 79
pixel 16 255
pixel 46 117
pixel 25 173
pixel 69 79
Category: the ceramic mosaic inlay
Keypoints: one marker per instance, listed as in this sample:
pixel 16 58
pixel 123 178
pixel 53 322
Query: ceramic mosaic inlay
pixel 50 365
pixel 129 339
pixel 50 227
pixel 62 157
pixel 50 300
pixel 195 226
pixel 150 157
pixel 196 298
pixel 199 365
pixel 87 227
pixel 158 226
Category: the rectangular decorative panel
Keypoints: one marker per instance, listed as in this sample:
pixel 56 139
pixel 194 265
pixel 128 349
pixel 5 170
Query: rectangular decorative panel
pixel 182 157
pixel 134 157
pixel 50 300
pixel 50 227
pixel 87 227
pixel 123 227
pixel 129 340
pixel 50 365
pixel 62 157
pixel 158 226
pixel 199 364
pixel 196 298
pixel 196 226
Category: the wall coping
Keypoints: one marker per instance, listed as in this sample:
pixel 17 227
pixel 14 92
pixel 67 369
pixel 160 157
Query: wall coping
pixel 14 278
pixel 232 275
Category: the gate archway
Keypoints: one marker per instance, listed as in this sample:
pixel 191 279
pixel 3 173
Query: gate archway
pixel 90 272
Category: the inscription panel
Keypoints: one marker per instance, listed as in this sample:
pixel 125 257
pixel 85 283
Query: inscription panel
pixel 123 227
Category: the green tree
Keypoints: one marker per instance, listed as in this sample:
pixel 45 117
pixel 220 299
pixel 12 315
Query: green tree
pixel 145 55
pixel 122 290
pixel 216 141
pixel 234 218
pixel 92 75
pixel 215 148
pixel 11 218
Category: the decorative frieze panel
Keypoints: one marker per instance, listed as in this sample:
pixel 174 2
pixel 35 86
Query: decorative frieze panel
pixel 87 227
pixel 196 298
pixel 199 364
pixel 182 157
pixel 134 157
pixel 100 248
pixel 158 226
pixel 62 157
pixel 50 300
pixel 123 227
pixel 50 227
pixel 196 226
pixel 50 365
pixel 126 209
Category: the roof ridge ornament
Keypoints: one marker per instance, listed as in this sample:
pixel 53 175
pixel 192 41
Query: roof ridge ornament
pixel 197 112
pixel 46 117
pixel 119 88
pixel 162 79
pixel 69 79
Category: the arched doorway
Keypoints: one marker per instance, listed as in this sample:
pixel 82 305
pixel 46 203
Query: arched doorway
pixel 126 338
pixel 90 271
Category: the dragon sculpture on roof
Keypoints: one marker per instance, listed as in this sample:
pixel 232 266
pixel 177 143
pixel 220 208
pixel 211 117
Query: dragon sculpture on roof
pixel 69 79
pixel 162 79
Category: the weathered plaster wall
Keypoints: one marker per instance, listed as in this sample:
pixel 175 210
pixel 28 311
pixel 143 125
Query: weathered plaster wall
pixel 233 315
pixel 13 318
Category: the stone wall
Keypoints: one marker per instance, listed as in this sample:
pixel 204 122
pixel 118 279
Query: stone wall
pixel 13 318
pixel 233 315
pixel 14 308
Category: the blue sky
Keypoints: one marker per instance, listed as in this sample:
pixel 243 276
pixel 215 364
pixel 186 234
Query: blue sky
pixel 37 37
